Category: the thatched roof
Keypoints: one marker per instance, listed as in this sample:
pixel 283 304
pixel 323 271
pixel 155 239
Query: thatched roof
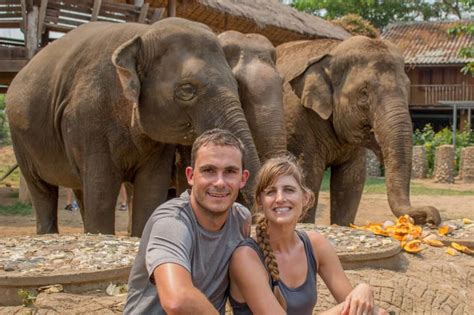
pixel 278 22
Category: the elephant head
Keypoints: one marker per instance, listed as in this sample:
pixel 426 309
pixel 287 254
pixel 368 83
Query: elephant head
pixel 361 86
pixel 252 59
pixel 180 84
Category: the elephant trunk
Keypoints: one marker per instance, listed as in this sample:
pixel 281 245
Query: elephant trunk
pixel 393 131
pixel 262 102
pixel 233 119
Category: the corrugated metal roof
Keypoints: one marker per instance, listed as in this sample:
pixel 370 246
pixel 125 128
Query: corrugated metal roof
pixel 429 43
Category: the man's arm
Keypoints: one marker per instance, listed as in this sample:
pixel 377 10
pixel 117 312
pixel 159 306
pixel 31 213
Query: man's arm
pixel 177 293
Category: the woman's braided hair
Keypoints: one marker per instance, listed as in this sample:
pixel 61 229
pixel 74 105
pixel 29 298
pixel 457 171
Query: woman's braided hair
pixel 271 170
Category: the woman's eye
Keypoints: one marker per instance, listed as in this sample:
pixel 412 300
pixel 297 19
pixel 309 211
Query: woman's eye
pixel 185 92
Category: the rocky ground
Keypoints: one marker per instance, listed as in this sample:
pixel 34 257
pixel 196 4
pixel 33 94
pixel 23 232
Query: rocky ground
pixel 431 282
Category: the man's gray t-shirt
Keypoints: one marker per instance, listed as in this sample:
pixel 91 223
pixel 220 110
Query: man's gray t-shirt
pixel 173 235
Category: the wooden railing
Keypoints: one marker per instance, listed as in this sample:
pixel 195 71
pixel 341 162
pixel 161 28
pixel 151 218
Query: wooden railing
pixel 430 94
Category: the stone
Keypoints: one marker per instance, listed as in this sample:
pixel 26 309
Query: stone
pixel 372 164
pixel 419 166
pixel 444 164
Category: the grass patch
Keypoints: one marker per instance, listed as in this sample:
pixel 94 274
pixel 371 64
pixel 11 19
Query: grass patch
pixel 377 186
pixel 16 209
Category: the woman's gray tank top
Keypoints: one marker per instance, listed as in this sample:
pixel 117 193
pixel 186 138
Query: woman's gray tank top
pixel 300 300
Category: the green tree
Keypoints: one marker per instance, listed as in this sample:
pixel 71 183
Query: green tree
pixel 468 51
pixel 380 13
pixel 4 131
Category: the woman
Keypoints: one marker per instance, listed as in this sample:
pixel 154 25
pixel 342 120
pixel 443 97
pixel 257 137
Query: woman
pixel 275 272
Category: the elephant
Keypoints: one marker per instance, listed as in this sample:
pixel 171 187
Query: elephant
pixel 107 103
pixel 252 58
pixel 339 98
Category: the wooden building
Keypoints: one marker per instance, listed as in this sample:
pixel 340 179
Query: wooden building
pixel 434 68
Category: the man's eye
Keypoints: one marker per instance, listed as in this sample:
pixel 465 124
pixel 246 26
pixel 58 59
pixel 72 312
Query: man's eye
pixel 207 170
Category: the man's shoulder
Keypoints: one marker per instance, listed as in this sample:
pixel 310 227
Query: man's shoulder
pixel 178 208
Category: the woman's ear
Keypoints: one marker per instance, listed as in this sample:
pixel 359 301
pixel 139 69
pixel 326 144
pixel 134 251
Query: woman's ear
pixel 125 59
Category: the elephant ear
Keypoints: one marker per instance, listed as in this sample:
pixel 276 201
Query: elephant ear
pixel 125 59
pixel 313 86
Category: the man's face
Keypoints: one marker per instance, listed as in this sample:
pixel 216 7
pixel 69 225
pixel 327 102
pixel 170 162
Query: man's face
pixel 216 179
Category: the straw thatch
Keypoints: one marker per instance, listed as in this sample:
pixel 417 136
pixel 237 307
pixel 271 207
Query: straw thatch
pixel 279 23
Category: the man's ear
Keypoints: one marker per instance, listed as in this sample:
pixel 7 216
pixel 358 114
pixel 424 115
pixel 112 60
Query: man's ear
pixel 125 59
pixel 245 178
pixel 190 175
pixel 313 86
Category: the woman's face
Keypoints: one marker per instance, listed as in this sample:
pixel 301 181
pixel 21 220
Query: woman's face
pixel 283 201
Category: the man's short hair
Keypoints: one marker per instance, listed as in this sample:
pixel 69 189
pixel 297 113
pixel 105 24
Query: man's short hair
pixel 218 137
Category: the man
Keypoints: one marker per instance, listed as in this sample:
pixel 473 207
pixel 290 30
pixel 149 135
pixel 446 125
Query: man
pixel 184 254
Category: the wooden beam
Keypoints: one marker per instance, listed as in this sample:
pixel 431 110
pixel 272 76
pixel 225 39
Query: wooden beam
pixel 96 9
pixel 32 31
pixel 41 17
pixel 171 8
pixel 158 15
pixel 23 16
pixel 12 65
pixel 143 13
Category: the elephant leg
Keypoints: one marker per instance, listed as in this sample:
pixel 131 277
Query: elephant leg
pixel 182 161
pixel 101 185
pixel 347 184
pixel 150 186
pixel 45 203
pixel 314 173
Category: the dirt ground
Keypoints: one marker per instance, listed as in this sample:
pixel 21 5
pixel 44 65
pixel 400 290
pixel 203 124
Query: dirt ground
pixel 431 283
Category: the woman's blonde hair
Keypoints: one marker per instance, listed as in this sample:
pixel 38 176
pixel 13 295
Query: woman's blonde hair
pixel 271 170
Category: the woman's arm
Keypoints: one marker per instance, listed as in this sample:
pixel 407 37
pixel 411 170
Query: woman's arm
pixel 353 301
pixel 249 282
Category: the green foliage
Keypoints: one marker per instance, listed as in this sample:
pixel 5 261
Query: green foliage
pixel 380 13
pixel 468 51
pixel 27 297
pixel 16 209
pixel 356 25
pixel 432 140
pixel 4 131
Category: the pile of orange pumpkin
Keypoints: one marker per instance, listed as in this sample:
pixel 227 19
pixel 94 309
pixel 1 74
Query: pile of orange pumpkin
pixel 410 235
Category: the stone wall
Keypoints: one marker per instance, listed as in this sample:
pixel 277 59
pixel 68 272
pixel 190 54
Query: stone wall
pixel 466 168
pixel 419 166
pixel 444 164
pixel 372 164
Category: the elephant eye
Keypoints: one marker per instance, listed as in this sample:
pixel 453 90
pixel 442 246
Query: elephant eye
pixel 185 92
pixel 363 95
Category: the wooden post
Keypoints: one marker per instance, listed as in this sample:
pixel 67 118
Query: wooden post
pixel 96 9
pixel 143 13
pixel 158 15
pixel 23 16
pixel 41 17
pixel 171 8
pixel 138 3
pixel 24 193
pixel 32 31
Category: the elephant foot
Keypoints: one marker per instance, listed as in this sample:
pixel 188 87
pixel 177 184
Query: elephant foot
pixel 425 214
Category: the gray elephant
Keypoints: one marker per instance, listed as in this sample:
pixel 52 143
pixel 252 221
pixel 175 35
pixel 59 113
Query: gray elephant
pixel 107 103
pixel 338 98
pixel 252 58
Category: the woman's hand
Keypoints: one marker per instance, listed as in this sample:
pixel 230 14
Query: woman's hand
pixel 360 301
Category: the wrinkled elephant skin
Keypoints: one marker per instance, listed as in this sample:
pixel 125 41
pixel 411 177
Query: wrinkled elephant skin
pixel 252 59
pixel 338 98
pixel 107 103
